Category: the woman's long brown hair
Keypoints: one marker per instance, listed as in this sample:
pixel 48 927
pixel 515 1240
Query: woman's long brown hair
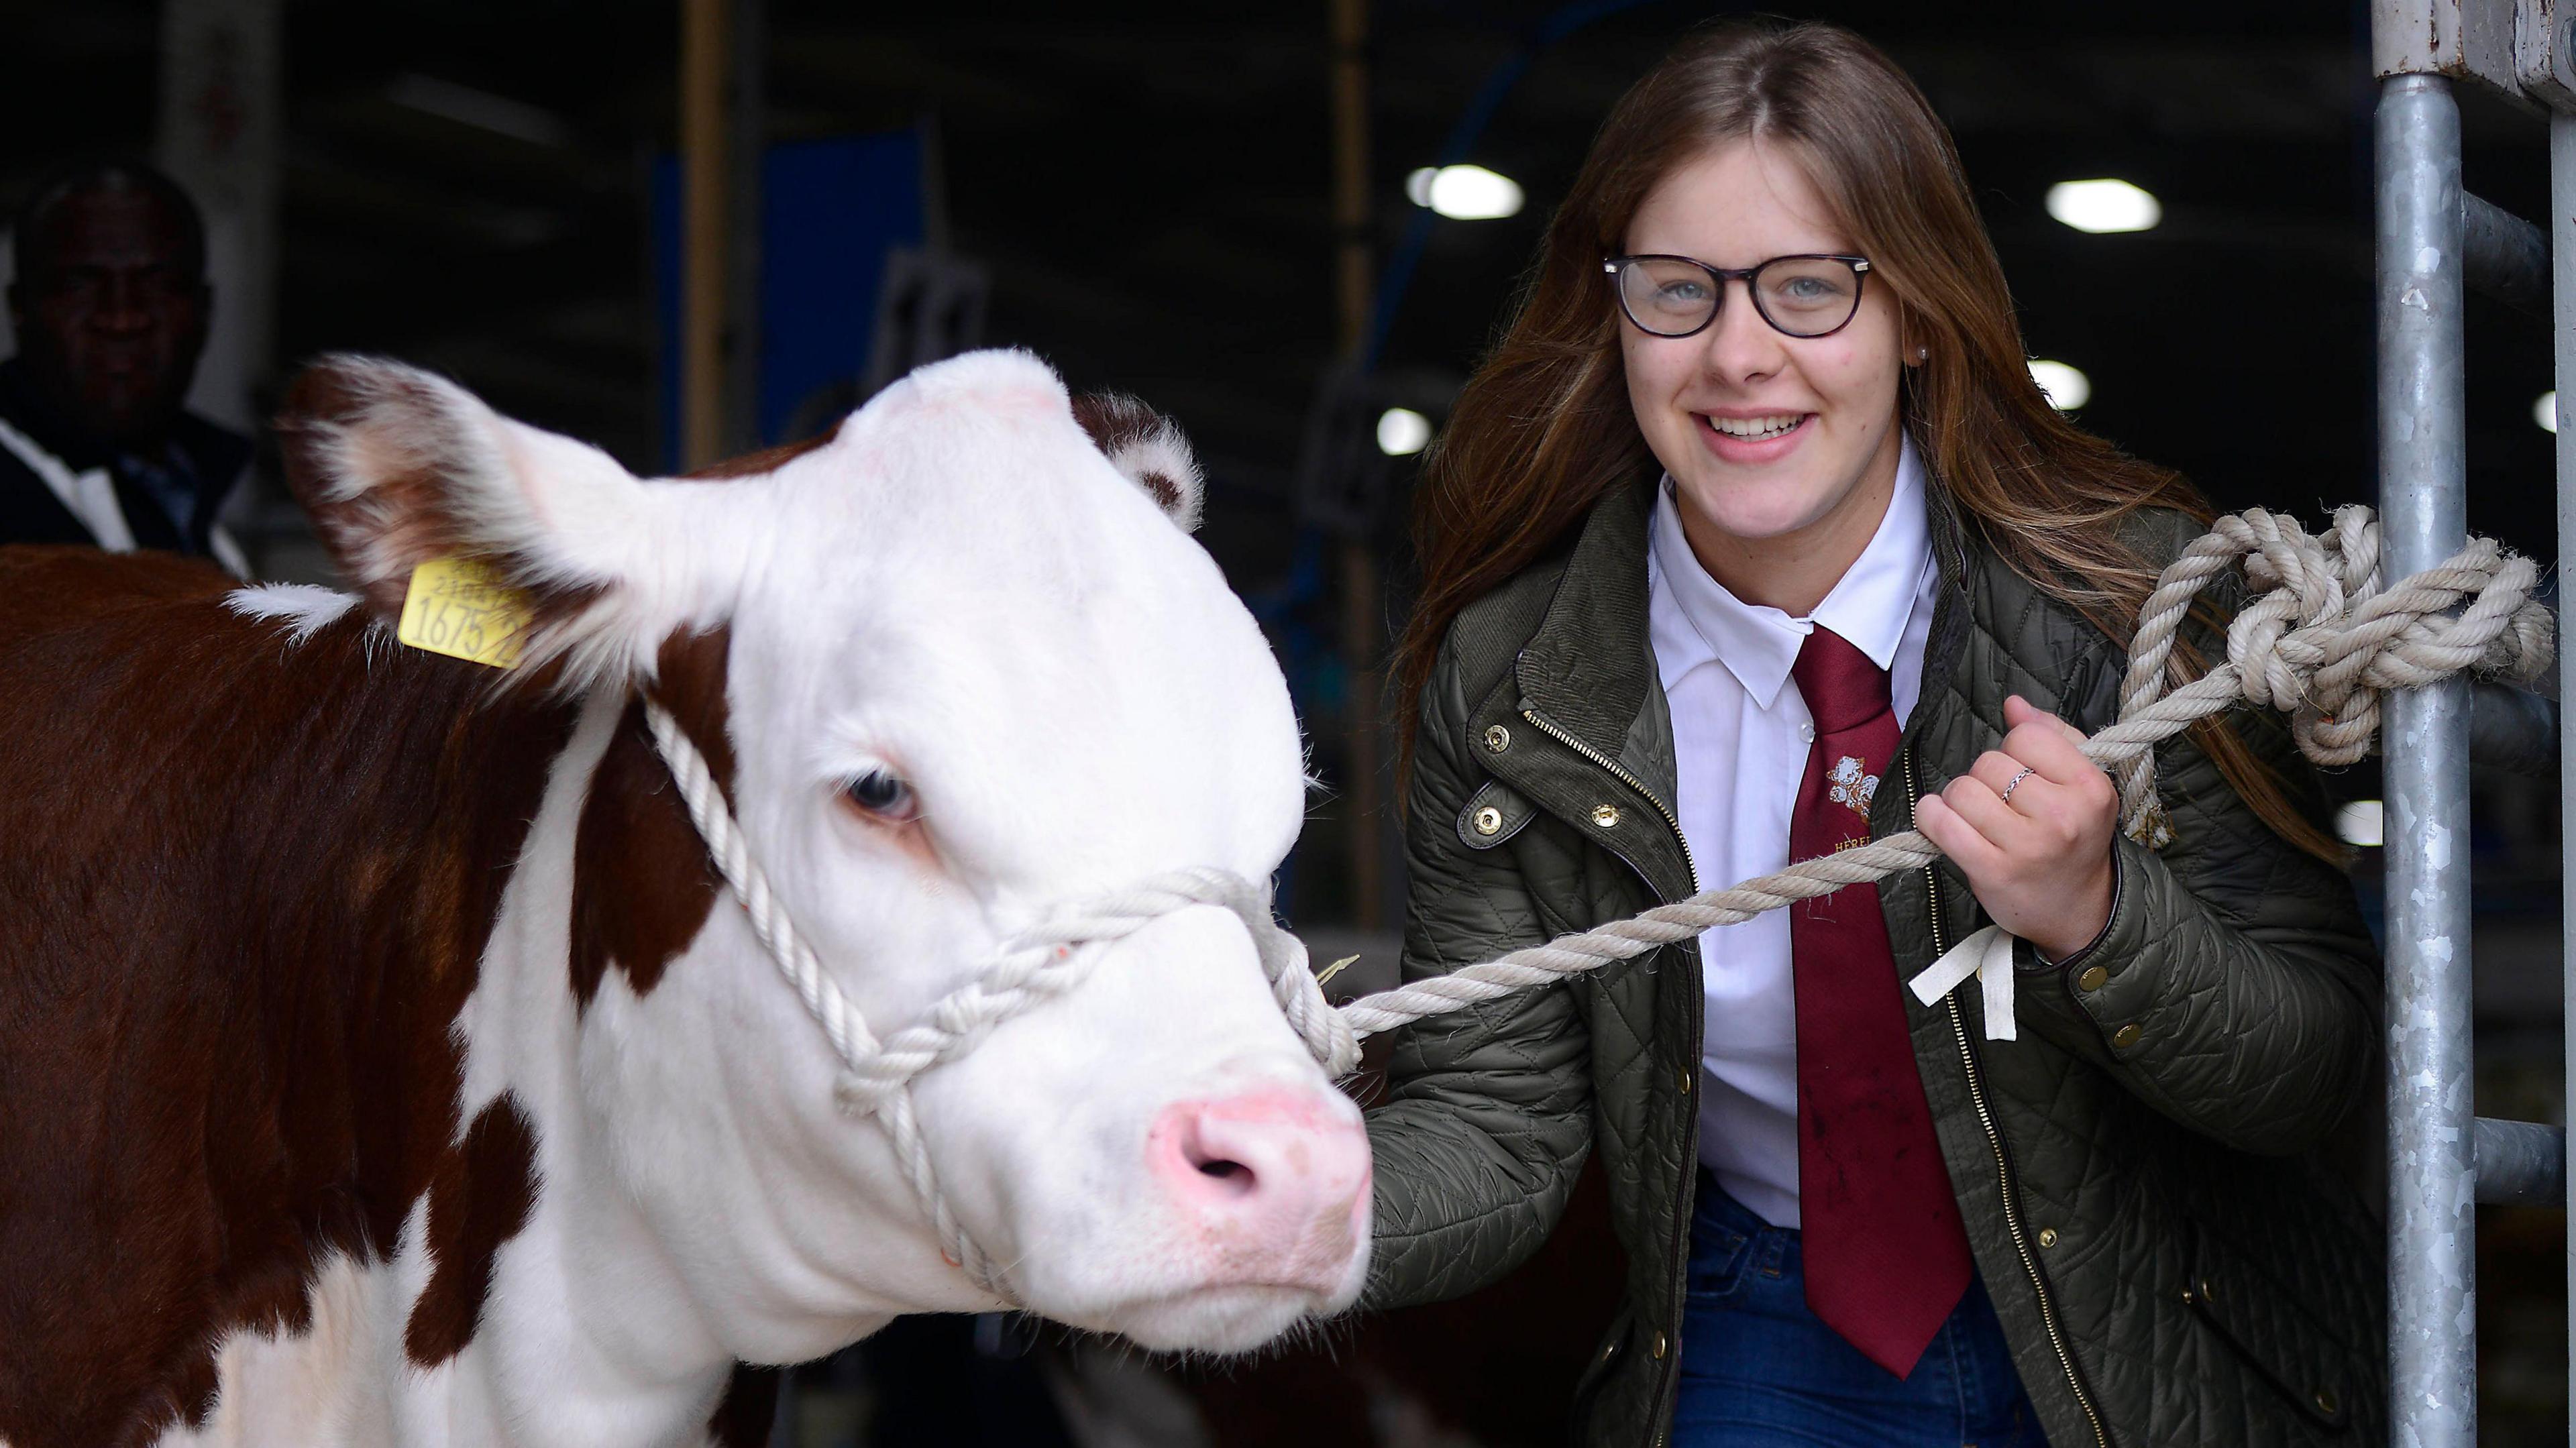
pixel 1544 430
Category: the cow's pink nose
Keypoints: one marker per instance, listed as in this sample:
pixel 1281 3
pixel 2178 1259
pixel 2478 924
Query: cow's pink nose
pixel 1272 1184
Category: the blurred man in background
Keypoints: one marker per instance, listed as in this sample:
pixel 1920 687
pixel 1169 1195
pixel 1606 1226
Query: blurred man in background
pixel 110 306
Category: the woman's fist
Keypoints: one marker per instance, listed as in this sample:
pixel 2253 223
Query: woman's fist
pixel 2040 861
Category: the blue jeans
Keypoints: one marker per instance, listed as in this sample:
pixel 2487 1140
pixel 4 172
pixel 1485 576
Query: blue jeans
pixel 1760 1371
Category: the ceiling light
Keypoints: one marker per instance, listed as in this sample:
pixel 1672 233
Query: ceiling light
pixel 1464 193
pixel 2360 822
pixel 2067 388
pixel 1402 432
pixel 2103 205
pixel 2545 411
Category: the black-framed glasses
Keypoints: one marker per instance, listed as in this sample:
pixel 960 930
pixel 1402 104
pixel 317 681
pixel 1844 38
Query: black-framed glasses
pixel 1800 296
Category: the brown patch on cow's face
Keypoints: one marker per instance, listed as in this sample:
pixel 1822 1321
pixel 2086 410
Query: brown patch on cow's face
pixel 642 883
pixel 484 1191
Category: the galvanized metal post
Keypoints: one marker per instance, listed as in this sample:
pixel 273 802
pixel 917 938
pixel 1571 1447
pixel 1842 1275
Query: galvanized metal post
pixel 2423 505
pixel 2562 288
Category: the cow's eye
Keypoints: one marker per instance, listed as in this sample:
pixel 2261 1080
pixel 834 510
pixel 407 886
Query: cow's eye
pixel 884 796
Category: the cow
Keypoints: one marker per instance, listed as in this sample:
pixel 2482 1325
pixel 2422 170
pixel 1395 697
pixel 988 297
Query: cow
pixel 383 1059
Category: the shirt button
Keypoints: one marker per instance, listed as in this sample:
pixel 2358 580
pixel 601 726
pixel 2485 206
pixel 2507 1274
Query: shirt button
pixel 1807 732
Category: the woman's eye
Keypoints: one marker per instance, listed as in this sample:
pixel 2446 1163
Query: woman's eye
pixel 1682 292
pixel 885 796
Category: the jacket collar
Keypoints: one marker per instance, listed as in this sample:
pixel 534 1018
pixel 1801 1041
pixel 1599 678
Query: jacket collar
pixel 1590 667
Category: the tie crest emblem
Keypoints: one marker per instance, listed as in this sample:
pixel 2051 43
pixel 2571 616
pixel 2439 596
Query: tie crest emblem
pixel 1851 785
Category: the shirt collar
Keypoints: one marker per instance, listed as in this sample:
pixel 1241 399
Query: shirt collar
pixel 1695 620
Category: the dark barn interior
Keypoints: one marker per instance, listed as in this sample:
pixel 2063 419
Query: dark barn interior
pixel 1145 194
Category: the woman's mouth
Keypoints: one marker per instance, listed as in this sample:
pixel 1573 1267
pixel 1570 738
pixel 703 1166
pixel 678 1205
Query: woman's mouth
pixel 1752 439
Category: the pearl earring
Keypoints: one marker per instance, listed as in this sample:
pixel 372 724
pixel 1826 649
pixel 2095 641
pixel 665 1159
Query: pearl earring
pixel 1922 354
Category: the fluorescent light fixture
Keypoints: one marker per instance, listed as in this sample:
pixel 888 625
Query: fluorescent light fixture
pixel 2067 388
pixel 2544 411
pixel 1402 432
pixel 480 109
pixel 1464 193
pixel 2103 205
pixel 2360 822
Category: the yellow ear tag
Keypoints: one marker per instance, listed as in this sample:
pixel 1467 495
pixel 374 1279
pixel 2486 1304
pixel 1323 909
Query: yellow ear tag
pixel 460 607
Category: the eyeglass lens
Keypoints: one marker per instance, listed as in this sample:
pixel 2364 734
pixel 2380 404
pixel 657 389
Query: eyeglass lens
pixel 1802 296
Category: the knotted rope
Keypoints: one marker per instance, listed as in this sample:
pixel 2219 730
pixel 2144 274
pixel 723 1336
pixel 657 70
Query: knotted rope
pixel 2322 642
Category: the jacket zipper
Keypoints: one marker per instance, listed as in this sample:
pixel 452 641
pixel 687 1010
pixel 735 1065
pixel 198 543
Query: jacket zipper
pixel 1630 780
pixel 2003 1164
pixel 1681 1198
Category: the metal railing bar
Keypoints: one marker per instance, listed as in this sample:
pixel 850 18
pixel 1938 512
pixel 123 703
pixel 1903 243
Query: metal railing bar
pixel 2562 212
pixel 2521 1163
pixel 2513 729
pixel 2508 256
pixel 2423 514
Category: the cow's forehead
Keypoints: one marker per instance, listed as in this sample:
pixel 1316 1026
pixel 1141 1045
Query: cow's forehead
pixel 985 599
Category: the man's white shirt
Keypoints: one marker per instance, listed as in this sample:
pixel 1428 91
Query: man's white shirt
pixel 1740 741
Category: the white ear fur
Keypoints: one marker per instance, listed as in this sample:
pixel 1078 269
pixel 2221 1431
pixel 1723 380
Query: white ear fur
pixel 398 466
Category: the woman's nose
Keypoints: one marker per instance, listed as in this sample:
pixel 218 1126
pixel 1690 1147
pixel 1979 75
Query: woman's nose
pixel 1741 347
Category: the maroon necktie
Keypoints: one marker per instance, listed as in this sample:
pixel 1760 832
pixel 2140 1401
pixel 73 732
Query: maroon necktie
pixel 1886 1258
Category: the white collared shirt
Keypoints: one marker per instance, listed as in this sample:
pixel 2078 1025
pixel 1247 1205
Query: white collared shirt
pixel 1740 742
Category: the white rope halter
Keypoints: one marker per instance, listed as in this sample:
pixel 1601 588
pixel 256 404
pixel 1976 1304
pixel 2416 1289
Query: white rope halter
pixel 1042 962
pixel 2321 642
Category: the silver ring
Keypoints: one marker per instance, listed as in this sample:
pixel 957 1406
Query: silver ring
pixel 2015 782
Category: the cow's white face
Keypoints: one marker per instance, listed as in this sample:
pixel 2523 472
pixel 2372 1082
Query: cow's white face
pixel 971 671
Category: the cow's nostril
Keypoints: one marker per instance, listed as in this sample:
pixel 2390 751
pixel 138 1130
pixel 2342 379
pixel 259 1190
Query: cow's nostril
pixel 1234 1176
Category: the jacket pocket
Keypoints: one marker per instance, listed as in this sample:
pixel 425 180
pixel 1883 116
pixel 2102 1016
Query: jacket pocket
pixel 2261 1319
pixel 1606 1360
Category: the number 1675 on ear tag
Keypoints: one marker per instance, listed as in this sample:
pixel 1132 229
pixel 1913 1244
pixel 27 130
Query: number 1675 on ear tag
pixel 460 607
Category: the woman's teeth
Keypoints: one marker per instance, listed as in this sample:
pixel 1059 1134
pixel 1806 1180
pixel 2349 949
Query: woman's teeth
pixel 1757 428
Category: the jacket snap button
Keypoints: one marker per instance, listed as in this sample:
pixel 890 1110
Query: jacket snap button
pixel 2328 1403
pixel 2127 1035
pixel 1489 821
pixel 2208 1290
pixel 1497 739
pixel 1661 1344
pixel 1685 1074
pixel 1605 815
pixel 2048 1236
pixel 2093 978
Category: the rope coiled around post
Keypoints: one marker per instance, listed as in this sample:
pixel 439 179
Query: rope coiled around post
pixel 2322 641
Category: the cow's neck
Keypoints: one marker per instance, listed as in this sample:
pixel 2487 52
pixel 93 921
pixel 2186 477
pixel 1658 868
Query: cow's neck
pixel 582 1283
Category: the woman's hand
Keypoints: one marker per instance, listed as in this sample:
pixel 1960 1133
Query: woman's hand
pixel 2040 863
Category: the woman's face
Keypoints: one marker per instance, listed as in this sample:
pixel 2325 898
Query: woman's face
pixel 1786 442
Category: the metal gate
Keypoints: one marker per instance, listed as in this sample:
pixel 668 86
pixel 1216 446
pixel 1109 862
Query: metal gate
pixel 2434 241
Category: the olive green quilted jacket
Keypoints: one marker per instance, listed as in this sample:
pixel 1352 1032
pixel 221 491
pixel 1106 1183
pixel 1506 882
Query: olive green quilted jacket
pixel 2163 1178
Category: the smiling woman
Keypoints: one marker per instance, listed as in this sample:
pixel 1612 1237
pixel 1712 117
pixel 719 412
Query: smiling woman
pixel 1755 539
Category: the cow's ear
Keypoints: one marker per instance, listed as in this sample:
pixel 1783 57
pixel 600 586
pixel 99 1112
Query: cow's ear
pixel 397 466
pixel 1149 448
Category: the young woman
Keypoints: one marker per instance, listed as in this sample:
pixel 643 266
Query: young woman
pixel 1753 539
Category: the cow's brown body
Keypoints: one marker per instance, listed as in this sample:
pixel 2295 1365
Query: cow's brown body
pixel 245 890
